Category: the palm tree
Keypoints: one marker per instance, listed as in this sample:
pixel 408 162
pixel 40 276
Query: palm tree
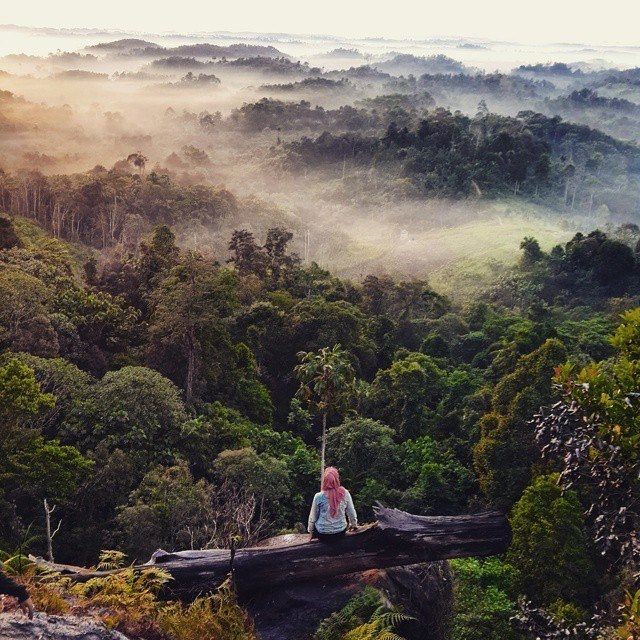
pixel 138 160
pixel 326 379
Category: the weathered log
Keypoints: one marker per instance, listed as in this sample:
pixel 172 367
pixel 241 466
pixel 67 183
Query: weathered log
pixel 396 539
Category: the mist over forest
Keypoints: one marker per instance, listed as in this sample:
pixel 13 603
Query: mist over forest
pixel 450 227
pixel 327 137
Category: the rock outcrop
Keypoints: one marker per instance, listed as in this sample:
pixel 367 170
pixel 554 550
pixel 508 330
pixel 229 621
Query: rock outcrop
pixel 15 626
pixel 294 612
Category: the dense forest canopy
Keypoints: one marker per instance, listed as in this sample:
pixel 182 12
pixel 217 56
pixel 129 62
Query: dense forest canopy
pixel 452 155
pixel 194 229
pixel 164 373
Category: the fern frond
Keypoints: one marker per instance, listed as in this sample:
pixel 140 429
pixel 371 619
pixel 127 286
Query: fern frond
pixel 17 564
pixel 389 635
pixel 394 618
pixel 111 559
pixel 380 610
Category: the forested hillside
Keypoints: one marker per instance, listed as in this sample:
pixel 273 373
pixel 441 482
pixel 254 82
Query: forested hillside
pixel 211 251
pixel 452 155
pixel 154 400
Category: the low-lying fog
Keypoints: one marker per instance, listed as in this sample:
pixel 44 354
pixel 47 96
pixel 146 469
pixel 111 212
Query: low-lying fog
pixel 485 54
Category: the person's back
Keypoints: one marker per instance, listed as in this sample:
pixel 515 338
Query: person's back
pixel 332 510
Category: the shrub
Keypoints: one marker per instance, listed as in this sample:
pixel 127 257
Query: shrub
pixel 168 510
pixel 482 606
pixel 549 547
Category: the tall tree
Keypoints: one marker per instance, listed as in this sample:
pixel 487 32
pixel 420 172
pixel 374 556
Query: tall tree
pixel 246 254
pixel 326 377
pixel 157 257
pixel 189 307
pixel 138 160
pixel 504 455
pixel 592 434
pixel 275 247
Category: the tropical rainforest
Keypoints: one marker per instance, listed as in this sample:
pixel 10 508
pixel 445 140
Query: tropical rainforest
pixel 191 234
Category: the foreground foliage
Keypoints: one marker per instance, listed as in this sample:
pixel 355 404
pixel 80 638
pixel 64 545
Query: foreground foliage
pixel 365 617
pixel 127 601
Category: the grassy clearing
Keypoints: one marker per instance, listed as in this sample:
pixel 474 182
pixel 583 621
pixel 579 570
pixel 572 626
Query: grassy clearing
pixel 405 240
pixel 479 252
pixel 458 260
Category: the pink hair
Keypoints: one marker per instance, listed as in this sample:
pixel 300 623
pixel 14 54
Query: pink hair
pixel 332 489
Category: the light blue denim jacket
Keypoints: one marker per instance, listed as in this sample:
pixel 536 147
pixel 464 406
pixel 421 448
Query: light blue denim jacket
pixel 320 515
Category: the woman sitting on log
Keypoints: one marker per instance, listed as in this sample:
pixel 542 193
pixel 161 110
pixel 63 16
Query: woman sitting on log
pixel 331 509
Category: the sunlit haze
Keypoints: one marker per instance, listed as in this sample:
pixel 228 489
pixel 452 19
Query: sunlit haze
pixel 614 22
pixel 250 249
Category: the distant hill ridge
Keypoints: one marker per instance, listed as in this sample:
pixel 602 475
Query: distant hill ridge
pixel 138 47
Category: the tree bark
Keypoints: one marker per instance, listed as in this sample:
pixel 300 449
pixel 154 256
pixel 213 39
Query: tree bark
pixel 396 539
pixel 48 511
pixel 191 366
pixel 323 446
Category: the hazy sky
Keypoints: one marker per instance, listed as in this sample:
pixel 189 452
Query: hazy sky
pixel 586 21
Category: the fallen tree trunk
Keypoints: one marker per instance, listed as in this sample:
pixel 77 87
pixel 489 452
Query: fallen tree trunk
pixel 396 539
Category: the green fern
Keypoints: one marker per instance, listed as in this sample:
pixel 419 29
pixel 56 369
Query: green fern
pixel 17 564
pixel 357 611
pixel 393 618
pixel 389 635
pixel 329 627
pixel 366 617
pixel 111 559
